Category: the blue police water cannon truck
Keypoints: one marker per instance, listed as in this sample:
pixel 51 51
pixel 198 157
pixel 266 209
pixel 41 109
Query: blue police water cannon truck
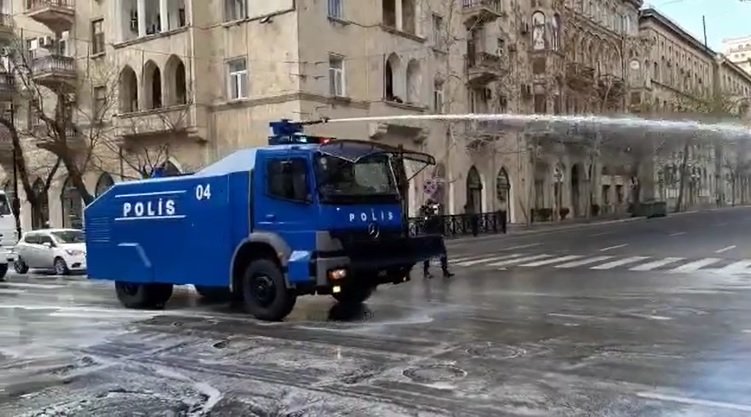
pixel 304 215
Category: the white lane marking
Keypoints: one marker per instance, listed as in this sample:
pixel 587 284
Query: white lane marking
pixel 737 266
pixel 655 264
pixel 552 261
pixel 601 234
pixel 490 259
pixel 517 260
pixel 694 401
pixel 11 292
pixel 31 285
pixel 695 266
pixel 613 247
pixel 531 245
pixel 584 262
pixel 677 234
pixel 620 262
pixel 462 259
pixel 725 249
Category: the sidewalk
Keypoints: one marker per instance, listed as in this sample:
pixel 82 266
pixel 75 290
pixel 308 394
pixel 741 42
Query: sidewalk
pixel 516 229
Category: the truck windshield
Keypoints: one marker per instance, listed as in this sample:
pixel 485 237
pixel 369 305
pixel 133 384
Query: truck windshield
pixel 342 181
pixel 4 205
pixel 69 236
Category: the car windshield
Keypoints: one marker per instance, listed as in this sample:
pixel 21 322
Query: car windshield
pixel 4 206
pixel 69 236
pixel 341 180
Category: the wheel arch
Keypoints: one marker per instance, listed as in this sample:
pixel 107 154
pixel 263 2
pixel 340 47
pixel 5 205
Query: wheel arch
pixel 258 245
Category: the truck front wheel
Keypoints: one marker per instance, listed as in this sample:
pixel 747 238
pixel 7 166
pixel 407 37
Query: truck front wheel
pixel 143 296
pixel 264 291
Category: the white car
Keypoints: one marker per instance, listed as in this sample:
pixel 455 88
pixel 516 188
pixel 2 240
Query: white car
pixel 62 250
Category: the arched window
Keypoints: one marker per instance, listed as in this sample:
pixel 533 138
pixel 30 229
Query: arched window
pixel 40 215
pixel 556 35
pixel 502 188
pixel 414 82
pixel 152 82
pixel 392 74
pixel 72 205
pixel 128 90
pixel 538 31
pixel 474 191
pixel 103 184
pixel 176 81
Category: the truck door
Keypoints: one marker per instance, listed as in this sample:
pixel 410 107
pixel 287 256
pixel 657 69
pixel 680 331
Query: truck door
pixel 283 202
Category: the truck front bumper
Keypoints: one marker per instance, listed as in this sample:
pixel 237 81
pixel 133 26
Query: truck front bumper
pixel 381 261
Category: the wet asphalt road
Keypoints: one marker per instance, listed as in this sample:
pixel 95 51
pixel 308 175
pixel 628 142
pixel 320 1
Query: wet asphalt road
pixel 524 338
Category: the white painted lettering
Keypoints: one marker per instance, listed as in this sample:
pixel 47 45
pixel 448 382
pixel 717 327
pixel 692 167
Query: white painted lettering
pixel 351 217
pixel 160 208
pixel 391 216
pixel 139 209
pixel 150 209
pixel 126 209
pixel 373 215
pixel 170 207
pixel 363 217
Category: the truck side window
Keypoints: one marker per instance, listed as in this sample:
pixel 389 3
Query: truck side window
pixel 288 179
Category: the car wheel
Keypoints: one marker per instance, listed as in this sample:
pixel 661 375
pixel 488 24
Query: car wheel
pixel 143 296
pixel 61 268
pixel 264 291
pixel 20 266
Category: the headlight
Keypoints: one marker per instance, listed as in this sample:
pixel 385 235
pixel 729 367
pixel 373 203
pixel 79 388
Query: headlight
pixel 74 252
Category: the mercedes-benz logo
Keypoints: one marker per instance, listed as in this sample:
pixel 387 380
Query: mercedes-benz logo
pixel 373 230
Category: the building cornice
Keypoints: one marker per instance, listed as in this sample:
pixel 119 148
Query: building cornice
pixel 666 23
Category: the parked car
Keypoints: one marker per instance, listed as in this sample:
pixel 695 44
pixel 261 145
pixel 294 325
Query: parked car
pixel 62 250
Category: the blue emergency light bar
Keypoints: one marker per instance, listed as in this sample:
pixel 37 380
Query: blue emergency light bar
pixel 286 132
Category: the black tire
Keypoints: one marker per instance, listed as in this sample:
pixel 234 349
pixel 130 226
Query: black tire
pixel 143 296
pixel 265 293
pixel 20 266
pixel 214 294
pixel 354 293
pixel 3 271
pixel 61 268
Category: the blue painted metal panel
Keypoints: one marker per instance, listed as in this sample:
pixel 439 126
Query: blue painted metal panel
pixel 172 230
pixel 360 216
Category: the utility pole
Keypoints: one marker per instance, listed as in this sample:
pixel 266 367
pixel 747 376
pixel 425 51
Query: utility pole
pixel 16 203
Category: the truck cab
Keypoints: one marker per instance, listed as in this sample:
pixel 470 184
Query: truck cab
pixel 304 215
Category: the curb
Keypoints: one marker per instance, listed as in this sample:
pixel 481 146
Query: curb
pixel 545 230
pixel 554 229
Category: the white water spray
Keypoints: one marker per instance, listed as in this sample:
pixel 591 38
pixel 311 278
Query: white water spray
pixel 735 130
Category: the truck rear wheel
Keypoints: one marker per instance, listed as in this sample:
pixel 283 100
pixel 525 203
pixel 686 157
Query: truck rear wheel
pixel 143 296
pixel 354 293
pixel 214 294
pixel 264 291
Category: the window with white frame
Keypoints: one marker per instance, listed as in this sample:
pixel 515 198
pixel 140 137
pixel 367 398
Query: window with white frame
pixel 336 75
pixel 438 97
pixel 235 10
pixel 237 78
pixel 335 8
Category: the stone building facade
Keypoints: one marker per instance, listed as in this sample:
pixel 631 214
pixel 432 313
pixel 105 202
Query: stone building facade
pixel 182 83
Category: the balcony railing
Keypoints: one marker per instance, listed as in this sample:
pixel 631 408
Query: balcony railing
pixel 483 59
pixel 7 83
pixel 32 5
pixel 492 5
pixel 53 64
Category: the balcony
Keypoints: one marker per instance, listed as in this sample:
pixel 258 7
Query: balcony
pixel 7 86
pixel 481 11
pixel 483 67
pixel 184 119
pixel 58 15
pixel 7 25
pixel 579 76
pixel 56 72
pixel 43 138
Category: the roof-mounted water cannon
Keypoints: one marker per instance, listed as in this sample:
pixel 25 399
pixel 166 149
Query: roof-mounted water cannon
pixel 287 132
